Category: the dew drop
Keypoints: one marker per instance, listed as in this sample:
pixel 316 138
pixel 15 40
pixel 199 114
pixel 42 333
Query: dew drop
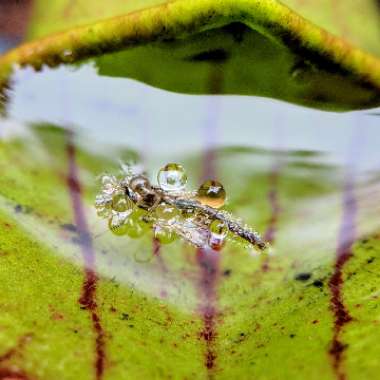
pixel 102 201
pixel 164 235
pixel 135 226
pixel 219 228
pixel 172 177
pixel 166 213
pixel 121 203
pixel 116 226
pixel 102 212
pixel 218 233
pixel 109 184
pixel 212 193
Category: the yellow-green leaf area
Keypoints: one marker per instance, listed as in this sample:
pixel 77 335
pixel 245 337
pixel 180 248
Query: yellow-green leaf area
pixel 273 316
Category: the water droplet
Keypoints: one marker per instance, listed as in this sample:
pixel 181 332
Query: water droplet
pixel 121 203
pixel 212 193
pixel 172 177
pixel 116 226
pixel 103 201
pixel 102 212
pixel 166 213
pixel 135 227
pixel 218 233
pixel 109 184
pixel 218 227
pixel 164 235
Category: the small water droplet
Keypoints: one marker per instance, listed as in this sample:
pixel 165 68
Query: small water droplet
pixel 134 225
pixel 109 184
pixel 172 177
pixel 166 213
pixel 218 227
pixel 121 203
pixel 212 193
pixel 117 226
pixel 164 235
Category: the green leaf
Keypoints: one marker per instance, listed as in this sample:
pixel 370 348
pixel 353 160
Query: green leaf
pixel 242 47
pixel 185 313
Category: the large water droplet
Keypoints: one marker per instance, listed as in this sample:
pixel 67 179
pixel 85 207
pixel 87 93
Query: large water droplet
pixel 172 177
pixel 212 193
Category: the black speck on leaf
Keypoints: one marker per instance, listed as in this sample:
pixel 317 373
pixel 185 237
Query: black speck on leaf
pixel 302 277
pixel 318 283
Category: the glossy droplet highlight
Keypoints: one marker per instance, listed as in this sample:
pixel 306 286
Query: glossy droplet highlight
pixel 218 232
pixel 167 213
pixel 172 177
pixel 121 203
pixel 109 183
pixel 117 226
pixel 217 227
pixel 134 225
pixel 212 193
pixel 164 235
pixel 140 184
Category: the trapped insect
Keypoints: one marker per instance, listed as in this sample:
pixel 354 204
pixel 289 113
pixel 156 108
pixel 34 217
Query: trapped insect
pixel 132 204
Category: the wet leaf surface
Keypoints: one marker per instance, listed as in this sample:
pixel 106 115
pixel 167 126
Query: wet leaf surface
pixel 252 45
pixel 77 301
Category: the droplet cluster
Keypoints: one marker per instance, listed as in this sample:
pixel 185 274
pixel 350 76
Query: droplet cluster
pixel 133 206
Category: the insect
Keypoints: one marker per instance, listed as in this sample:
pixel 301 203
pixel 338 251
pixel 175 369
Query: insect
pixel 132 203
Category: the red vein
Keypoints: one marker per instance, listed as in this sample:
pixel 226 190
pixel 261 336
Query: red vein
pixel 88 297
pixel 11 374
pixel 16 349
pixel 156 246
pixel 271 230
pixel 343 254
pixel 208 261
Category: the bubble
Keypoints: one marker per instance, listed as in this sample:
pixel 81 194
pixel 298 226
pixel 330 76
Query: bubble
pixel 121 203
pixel 166 213
pixel 164 235
pixel 172 177
pixel 212 193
